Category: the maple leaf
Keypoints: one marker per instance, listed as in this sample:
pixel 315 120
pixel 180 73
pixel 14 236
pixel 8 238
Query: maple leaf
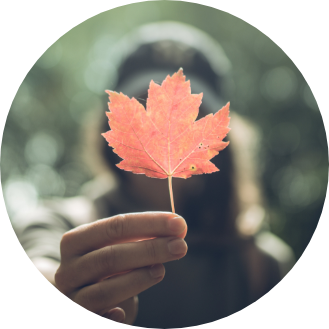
pixel 165 141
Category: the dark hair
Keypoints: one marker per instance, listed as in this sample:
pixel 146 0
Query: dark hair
pixel 168 56
pixel 213 210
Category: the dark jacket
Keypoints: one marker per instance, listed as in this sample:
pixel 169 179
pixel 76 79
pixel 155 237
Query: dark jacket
pixel 216 278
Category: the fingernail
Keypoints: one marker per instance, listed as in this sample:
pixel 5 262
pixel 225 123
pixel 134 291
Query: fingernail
pixel 117 316
pixel 177 246
pixel 177 224
pixel 157 271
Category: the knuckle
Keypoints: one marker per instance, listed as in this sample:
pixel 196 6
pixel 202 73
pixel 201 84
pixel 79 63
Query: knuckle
pixel 60 279
pixel 66 241
pixel 107 258
pixel 65 279
pixel 63 242
pixel 102 297
pixel 151 250
pixel 93 299
pixel 116 227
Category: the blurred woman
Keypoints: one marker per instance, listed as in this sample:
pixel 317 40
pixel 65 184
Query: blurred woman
pixel 103 265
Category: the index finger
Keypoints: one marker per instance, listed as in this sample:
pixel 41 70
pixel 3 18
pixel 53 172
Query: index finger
pixel 122 228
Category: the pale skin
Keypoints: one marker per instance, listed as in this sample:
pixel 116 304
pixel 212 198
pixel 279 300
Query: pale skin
pixel 107 263
pixel 93 252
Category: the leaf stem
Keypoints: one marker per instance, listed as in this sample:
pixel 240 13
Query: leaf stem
pixel 171 193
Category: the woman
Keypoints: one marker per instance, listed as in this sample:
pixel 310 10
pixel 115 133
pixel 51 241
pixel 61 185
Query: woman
pixel 105 264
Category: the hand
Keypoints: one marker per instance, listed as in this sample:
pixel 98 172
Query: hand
pixel 106 263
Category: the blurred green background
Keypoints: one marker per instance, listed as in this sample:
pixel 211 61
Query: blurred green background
pixel 41 149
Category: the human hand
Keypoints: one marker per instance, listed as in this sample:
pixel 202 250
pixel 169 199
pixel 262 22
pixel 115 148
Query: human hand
pixel 107 263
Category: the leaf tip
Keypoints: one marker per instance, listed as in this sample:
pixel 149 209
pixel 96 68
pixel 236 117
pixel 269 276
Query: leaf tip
pixel 180 73
pixel 111 93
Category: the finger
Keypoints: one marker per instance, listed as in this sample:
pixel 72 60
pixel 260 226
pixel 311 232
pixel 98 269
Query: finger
pixel 117 314
pixel 110 260
pixel 105 295
pixel 121 228
pixel 130 306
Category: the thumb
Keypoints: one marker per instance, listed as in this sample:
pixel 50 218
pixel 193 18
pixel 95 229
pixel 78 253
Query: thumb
pixel 116 314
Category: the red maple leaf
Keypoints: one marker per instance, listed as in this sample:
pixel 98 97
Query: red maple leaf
pixel 165 140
